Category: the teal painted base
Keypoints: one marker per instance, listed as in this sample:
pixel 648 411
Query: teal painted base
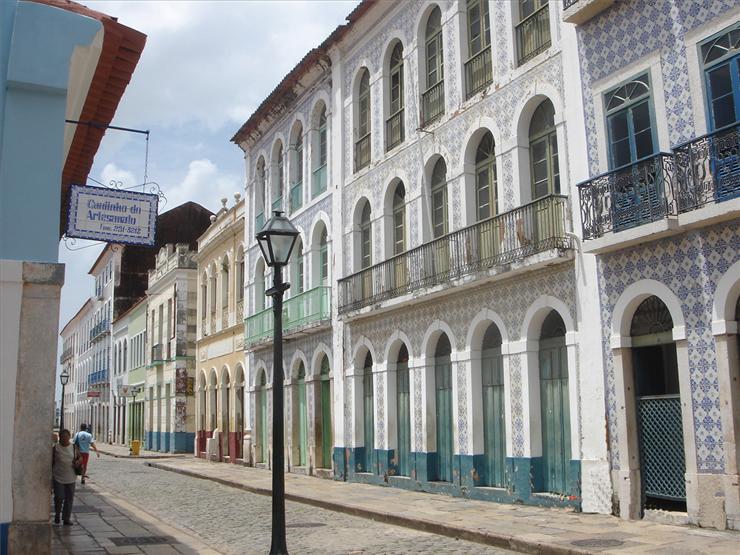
pixel 523 478
pixel 172 442
pixel 182 442
pixel 340 456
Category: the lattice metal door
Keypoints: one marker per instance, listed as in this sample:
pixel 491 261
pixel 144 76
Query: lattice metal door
pixel 661 446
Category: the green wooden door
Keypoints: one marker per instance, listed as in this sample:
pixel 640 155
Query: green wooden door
pixel 555 414
pixel 262 424
pixel 403 410
pixel 326 431
pixel 443 387
pixel 368 415
pixel 302 419
pixel 494 433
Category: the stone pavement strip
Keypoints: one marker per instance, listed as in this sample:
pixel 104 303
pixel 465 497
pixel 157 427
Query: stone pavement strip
pixel 122 451
pixel 104 523
pixel 517 527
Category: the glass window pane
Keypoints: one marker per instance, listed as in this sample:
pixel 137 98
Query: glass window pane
pixel 643 144
pixel 621 153
pixel 618 128
pixel 641 117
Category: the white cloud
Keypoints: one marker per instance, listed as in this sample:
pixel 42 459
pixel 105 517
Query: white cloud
pixel 112 174
pixel 204 184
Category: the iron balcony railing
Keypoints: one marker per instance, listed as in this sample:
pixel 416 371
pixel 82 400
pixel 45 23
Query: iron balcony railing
pixel 394 132
pixel 535 227
pixel 568 3
pixel 98 377
pixel 318 183
pixel 259 221
pixel 708 169
pixel 533 34
pixel 433 103
pixel 99 329
pixel 277 204
pixel 296 196
pixel 478 72
pixel 629 196
pixel 66 354
pixel 362 152
pixel 307 308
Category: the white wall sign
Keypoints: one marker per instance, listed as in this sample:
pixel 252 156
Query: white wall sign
pixel 112 215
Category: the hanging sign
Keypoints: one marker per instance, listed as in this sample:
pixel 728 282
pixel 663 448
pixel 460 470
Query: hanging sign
pixel 112 215
pixel 92 393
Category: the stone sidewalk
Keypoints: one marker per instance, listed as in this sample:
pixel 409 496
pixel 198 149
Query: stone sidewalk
pixel 122 451
pixel 516 527
pixel 104 523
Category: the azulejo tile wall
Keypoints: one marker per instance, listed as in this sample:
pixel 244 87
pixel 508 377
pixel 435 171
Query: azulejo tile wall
pixel 690 265
pixel 631 30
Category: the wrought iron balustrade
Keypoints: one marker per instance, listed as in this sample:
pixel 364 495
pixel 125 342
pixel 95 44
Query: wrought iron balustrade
pixel 259 221
pixel 302 310
pixel 535 227
pixel 362 152
pixel 394 132
pixel 533 34
pixel 433 103
pixel 629 196
pixel 318 183
pixel 66 354
pixel 708 169
pixel 478 72
pixel 296 196
pixel 568 3
pixel 99 329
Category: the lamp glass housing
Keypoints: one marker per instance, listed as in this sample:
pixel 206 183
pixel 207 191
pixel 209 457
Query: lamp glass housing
pixel 276 240
pixel 64 377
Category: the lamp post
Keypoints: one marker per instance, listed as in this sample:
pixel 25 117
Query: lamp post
pixel 64 380
pixel 276 240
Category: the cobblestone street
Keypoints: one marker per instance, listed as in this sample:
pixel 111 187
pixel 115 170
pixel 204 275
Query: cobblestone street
pixel 238 522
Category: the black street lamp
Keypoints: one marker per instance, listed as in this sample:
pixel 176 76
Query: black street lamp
pixel 276 239
pixel 64 380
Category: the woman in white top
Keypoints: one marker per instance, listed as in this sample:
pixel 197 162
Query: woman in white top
pixel 63 471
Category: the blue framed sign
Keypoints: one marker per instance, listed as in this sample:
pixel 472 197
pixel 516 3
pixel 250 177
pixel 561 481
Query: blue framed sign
pixel 112 215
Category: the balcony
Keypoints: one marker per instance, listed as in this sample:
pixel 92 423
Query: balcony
pixel 318 183
pixel 66 354
pixel 478 72
pixel 533 34
pixel 98 377
pixel 433 103
pixel 362 152
pixel 394 134
pixel 628 197
pixel 305 310
pixel 699 173
pixel 259 221
pixel 580 11
pixel 708 169
pixel 99 330
pixel 498 241
pixel 296 196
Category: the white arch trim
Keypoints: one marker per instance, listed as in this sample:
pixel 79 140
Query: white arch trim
pixel 362 342
pixel 321 349
pixel 432 333
pixel 321 217
pixel 478 327
pixel 298 357
pixel 259 367
pixel 536 314
pixel 630 299
pixel 725 297
pixel 397 337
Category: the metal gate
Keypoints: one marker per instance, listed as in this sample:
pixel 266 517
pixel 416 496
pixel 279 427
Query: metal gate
pixel 661 446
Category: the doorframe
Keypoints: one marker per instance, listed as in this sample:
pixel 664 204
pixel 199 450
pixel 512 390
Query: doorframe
pixel 628 477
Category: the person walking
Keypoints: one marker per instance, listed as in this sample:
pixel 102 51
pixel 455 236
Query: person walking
pixel 65 478
pixel 84 440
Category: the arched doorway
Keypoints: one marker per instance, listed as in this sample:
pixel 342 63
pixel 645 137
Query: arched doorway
pixel 492 389
pixel 213 392
pixel 225 413
pixel 261 402
pixel 443 397
pixel 368 402
pixel 403 413
pixel 302 440
pixel 239 413
pixel 325 397
pixel 658 407
pixel 554 402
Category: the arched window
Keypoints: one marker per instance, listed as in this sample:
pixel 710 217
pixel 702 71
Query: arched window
pixel 296 182
pixel 212 287
pixel 486 200
pixel 326 436
pixel 433 99
pixel 318 184
pixel 403 412
pixel 362 133
pixel 259 286
pixel 259 200
pixel 302 440
pixel 262 420
pixel 399 219
pixel 323 258
pixel 240 276
pixel 443 397
pixel 543 151
pixel 297 269
pixel 366 238
pixel 225 285
pixel 394 127
pixel 278 182
pixel 478 68
pixel 439 199
pixel 492 390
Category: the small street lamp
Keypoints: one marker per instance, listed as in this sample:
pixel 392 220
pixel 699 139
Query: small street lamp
pixel 276 240
pixel 64 380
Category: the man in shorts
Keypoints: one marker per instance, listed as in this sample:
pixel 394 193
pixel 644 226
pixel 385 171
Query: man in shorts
pixel 84 440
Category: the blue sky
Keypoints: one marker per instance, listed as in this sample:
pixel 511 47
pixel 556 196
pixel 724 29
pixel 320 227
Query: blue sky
pixel 204 70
